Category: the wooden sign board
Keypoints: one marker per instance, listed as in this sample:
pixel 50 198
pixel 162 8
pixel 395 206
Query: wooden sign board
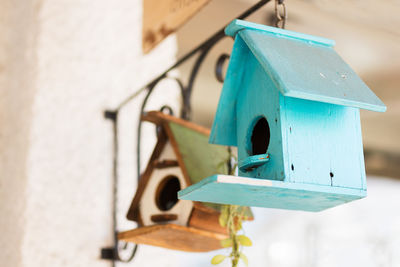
pixel 161 18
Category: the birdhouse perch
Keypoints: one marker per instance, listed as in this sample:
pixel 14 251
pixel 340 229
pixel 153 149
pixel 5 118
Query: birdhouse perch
pixel 291 106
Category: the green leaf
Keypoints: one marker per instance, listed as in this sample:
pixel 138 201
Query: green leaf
pixel 244 240
pixel 223 217
pixel 226 243
pixel 217 259
pixel 222 220
pixel 244 259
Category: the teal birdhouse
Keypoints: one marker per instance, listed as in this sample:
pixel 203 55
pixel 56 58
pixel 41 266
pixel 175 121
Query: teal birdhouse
pixel 291 106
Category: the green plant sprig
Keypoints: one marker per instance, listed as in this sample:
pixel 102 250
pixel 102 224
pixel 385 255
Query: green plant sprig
pixel 231 218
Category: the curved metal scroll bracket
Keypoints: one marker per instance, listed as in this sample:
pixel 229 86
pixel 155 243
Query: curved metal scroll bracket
pixel 186 91
pixel 113 253
pixel 219 67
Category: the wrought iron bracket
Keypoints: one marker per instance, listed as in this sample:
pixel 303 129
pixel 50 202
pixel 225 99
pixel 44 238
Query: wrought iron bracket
pixel 113 253
pixel 202 50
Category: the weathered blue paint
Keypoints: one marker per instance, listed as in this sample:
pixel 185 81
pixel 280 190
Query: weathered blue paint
pixel 225 189
pixel 299 67
pixel 322 140
pixel 309 71
pixel 249 109
pixel 224 127
pixel 235 26
pixel 310 99
pixel 252 162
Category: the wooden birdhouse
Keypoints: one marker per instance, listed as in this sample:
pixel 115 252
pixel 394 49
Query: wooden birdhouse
pixel 182 157
pixel 291 106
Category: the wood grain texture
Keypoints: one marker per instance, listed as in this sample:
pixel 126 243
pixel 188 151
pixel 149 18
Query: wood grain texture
pixel 207 219
pixel 324 144
pixel 225 189
pixel 161 18
pixel 258 99
pixel 174 237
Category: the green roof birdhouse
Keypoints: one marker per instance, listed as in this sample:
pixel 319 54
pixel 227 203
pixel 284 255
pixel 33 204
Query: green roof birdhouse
pixel 181 157
pixel 291 106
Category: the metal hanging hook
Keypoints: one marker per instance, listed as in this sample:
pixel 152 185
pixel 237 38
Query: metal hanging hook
pixel 281 14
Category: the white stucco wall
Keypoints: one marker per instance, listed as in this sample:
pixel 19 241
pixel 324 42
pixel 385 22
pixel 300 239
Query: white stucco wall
pixel 18 27
pixel 62 63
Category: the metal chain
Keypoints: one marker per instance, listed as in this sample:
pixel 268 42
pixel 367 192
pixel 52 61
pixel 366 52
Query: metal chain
pixel 280 12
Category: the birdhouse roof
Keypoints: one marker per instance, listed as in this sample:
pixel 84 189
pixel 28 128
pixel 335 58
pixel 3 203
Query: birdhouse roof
pixel 300 65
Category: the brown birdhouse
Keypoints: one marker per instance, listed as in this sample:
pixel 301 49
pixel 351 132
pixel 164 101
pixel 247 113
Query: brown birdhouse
pixel 181 157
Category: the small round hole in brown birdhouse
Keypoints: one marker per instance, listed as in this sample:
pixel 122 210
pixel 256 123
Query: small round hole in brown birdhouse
pixel 167 193
pixel 260 137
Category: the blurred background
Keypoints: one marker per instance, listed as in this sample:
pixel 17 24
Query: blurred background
pixel 62 63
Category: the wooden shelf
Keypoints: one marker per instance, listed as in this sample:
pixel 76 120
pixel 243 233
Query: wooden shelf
pixel 251 192
pixel 175 237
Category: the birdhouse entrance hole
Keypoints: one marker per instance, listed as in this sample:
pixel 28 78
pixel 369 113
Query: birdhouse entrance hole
pixel 260 137
pixel 167 193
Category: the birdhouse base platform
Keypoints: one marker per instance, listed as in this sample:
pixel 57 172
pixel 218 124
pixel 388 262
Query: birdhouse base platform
pixel 176 237
pixel 243 191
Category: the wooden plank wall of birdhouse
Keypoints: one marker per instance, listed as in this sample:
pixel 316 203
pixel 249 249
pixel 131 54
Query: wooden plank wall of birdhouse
pixel 148 205
pixel 323 140
pixel 259 97
pixel 224 129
